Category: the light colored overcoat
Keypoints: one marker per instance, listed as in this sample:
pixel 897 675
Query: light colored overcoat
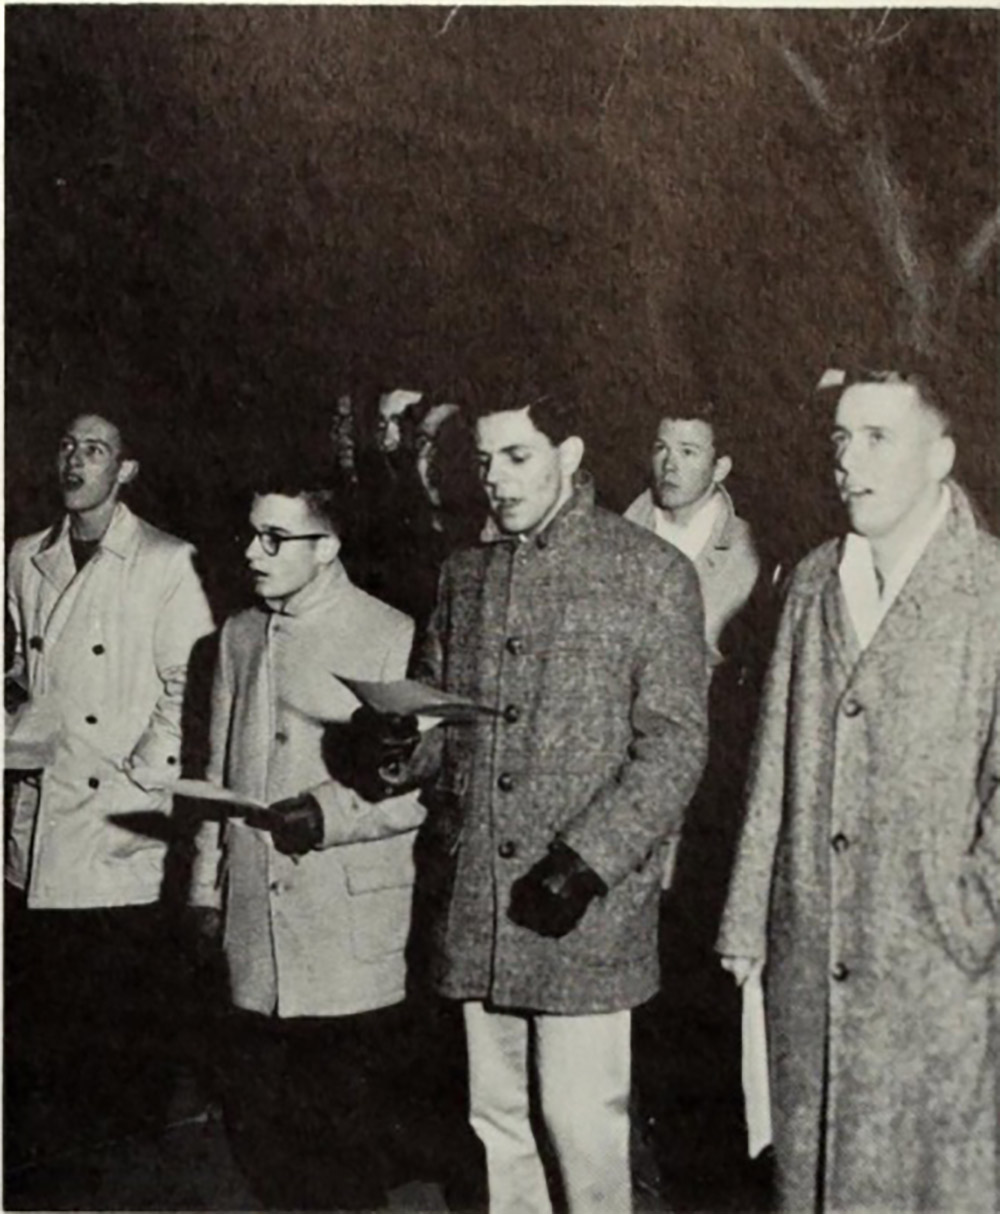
pixel 323 934
pixel 104 653
pixel 869 871
pixel 588 638
pixel 728 566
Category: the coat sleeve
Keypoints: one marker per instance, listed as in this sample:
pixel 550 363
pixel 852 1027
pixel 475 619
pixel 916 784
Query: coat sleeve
pixel 183 618
pixel 347 817
pixel 645 803
pixel 206 869
pixel 962 878
pixel 16 668
pixel 744 922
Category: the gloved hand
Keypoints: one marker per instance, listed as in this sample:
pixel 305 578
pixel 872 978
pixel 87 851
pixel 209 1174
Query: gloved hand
pixel 552 897
pixel 296 824
pixel 14 694
pixel 380 745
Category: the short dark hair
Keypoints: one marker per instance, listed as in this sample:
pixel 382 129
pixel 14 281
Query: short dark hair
pixel 917 375
pixel 702 410
pixel 316 487
pixel 555 413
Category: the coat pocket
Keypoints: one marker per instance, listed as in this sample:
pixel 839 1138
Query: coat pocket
pixel 381 900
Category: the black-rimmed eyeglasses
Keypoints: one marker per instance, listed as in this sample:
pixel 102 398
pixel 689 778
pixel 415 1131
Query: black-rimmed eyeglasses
pixel 271 541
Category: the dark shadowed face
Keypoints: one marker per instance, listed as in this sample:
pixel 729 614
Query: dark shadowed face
pixel 524 473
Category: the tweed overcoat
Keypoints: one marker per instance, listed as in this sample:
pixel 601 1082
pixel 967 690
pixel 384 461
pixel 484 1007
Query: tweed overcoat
pixel 869 875
pixel 323 934
pixel 589 640
pixel 106 649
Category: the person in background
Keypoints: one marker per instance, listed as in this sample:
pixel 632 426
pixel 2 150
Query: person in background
pixel 867 876
pixel 548 820
pixel 687 1038
pixel 312 897
pixel 104 610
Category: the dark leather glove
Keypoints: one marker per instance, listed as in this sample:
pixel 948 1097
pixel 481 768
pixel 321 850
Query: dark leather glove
pixel 552 896
pixel 380 745
pixel 296 824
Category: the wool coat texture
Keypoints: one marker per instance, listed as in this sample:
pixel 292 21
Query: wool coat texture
pixel 323 934
pixel 103 652
pixel 588 639
pixel 868 875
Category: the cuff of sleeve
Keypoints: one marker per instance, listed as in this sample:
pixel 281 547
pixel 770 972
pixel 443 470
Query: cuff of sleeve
pixel 337 805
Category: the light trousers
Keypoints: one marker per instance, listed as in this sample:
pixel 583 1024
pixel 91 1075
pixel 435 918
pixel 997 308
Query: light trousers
pixel 583 1066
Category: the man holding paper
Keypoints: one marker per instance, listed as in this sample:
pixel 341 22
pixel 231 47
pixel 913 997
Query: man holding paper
pixel 867 880
pixel 314 891
pixel 547 821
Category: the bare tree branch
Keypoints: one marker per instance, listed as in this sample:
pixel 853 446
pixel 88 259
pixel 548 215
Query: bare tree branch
pixel 621 63
pixel 973 257
pixel 447 21
pixel 815 88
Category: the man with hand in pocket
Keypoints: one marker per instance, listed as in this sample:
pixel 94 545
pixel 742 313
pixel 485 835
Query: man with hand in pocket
pixel 314 893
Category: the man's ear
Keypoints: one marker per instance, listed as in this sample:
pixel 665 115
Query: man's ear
pixel 128 470
pixel 942 457
pixel 571 454
pixel 328 549
pixel 723 467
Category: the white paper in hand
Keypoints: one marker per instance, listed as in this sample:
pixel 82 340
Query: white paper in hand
pixel 756 1086
pixel 205 790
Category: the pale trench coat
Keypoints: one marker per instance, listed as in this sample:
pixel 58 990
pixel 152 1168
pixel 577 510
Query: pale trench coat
pixel 869 872
pixel 324 934
pixel 104 652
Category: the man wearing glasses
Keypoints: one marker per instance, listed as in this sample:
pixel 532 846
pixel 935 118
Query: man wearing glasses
pixel 867 882
pixel 317 889
pixel 105 610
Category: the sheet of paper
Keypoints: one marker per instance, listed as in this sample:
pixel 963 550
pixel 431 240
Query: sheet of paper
pixel 406 696
pixel 205 790
pixel 756 1087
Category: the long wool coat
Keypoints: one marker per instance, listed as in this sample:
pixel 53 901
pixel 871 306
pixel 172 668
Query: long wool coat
pixel 323 934
pixel 869 872
pixel 589 639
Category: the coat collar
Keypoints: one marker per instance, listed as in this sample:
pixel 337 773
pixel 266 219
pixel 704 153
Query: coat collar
pixel 55 561
pixel 947 566
pixel 643 512
pixel 325 592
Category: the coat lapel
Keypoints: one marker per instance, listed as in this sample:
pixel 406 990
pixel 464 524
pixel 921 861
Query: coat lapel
pixel 837 624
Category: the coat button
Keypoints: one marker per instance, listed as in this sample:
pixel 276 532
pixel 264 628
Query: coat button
pixel 36 643
pixel 840 842
pixel 281 736
pixel 171 760
pixel 542 542
pixel 505 782
pixel 514 645
pixel 91 720
pixel 94 782
pixel 851 708
pixel 98 649
pixel 507 849
pixel 840 972
pixel 512 714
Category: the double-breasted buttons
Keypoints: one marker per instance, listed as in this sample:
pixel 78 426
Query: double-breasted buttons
pixel 91 719
pixel 505 782
pixel 840 842
pixel 514 645
pixel 37 644
pixel 851 707
pixel 507 849
pixel 93 782
pixel 281 736
pixel 171 760
pixel 512 714
pixel 98 649
pixel 840 972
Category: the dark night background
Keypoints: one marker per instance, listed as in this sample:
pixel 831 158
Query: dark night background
pixel 220 218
